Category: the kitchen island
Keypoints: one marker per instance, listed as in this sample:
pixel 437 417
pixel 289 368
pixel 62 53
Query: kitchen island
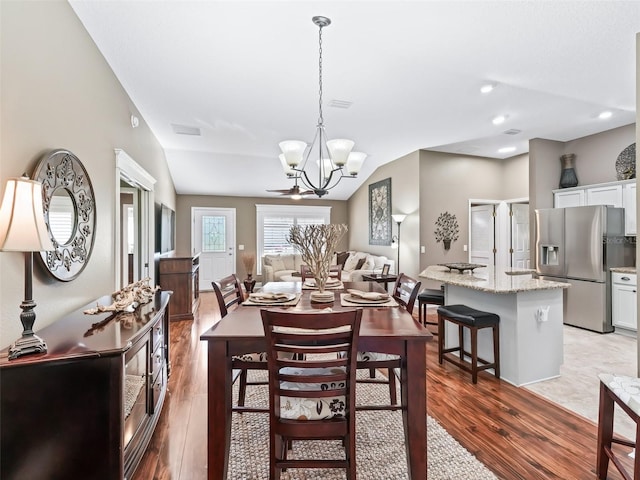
pixel 531 318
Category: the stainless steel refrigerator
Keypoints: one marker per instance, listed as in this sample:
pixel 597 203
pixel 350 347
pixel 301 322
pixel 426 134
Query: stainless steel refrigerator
pixel 578 245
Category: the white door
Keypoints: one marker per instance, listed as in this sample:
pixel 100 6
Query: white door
pixel 214 236
pixel 520 255
pixel 482 235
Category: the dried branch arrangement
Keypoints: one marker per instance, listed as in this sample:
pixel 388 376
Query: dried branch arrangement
pixel 316 244
pixel 248 261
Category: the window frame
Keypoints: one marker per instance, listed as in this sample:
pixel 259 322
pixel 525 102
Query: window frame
pixel 295 211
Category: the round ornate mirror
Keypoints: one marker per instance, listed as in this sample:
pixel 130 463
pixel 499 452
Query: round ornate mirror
pixel 69 212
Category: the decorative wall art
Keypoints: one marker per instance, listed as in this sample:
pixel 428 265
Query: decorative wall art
pixel 380 212
pixel 69 212
pixel 626 163
pixel 446 229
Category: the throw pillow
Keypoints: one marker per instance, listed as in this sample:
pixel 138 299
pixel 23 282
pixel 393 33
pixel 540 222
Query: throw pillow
pixel 361 263
pixel 277 264
pixel 341 258
pixel 369 263
pixel 351 263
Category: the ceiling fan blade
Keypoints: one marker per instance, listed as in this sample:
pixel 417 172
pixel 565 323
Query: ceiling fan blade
pixel 284 192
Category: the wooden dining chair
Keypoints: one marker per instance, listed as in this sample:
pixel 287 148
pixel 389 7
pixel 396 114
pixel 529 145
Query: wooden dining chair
pixel 312 370
pixel 405 292
pixel 229 293
pixel 335 271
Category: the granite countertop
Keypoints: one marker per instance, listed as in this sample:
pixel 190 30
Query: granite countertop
pixel 487 279
pixel 623 269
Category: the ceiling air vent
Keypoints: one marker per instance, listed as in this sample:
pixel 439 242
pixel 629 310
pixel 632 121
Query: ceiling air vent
pixel 185 130
pixel 340 104
pixel 512 131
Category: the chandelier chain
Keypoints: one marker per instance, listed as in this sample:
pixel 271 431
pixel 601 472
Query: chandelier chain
pixel 320 118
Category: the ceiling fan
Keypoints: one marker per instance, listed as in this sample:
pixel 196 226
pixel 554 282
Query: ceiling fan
pixel 295 190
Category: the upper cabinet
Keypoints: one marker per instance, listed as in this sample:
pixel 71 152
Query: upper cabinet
pixel 620 194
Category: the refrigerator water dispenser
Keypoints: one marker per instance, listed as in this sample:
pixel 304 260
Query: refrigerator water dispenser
pixel 549 255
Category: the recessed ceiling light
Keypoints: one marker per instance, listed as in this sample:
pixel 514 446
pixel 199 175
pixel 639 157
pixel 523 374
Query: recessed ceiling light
pixel 486 88
pixel 507 150
pixel 604 115
pixel 499 119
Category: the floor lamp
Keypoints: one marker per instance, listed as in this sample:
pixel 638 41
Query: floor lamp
pixel 23 229
pixel 398 218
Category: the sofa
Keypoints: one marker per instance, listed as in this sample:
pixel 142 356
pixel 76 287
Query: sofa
pixel 282 267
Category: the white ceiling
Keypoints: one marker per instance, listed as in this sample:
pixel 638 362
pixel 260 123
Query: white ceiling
pixel 246 74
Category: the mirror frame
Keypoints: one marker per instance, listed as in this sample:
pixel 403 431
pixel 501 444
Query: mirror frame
pixel 62 169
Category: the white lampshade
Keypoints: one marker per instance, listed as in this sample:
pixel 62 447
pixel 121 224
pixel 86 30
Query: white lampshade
pixel 285 166
pixel 398 217
pixel 22 226
pixel 354 164
pixel 339 150
pixel 293 151
pixel 327 166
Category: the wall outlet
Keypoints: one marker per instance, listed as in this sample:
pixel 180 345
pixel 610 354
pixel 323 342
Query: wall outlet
pixel 422 249
pixel 464 248
pixel 240 247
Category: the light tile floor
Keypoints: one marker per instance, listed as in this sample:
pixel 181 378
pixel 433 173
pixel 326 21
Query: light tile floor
pixel 586 354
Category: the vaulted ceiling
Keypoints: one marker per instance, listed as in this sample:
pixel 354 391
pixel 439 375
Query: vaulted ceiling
pixel 245 76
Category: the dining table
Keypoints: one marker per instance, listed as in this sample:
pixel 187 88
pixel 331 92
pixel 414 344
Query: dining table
pixel 385 329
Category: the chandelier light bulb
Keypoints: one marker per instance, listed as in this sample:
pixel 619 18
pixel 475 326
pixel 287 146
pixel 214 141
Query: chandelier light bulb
pixel 293 151
pixel 289 172
pixel 355 161
pixel 339 150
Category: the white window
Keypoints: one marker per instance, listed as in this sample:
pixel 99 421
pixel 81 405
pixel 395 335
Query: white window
pixel 274 222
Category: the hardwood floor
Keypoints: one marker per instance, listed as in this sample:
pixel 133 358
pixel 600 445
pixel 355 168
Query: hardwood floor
pixel 517 434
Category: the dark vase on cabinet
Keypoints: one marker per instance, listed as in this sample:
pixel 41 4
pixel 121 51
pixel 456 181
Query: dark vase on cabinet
pixel 89 406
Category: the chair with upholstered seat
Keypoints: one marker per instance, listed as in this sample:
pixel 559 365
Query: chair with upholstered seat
pixel 405 292
pixel 229 293
pixel 312 395
pixel 622 391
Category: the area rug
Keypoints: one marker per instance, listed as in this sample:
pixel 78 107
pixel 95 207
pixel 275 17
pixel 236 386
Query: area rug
pixel 380 450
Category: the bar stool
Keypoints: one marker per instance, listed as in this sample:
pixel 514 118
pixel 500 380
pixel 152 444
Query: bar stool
pixel 429 296
pixel 474 320
pixel 624 391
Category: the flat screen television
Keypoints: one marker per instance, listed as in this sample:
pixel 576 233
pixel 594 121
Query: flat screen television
pixel 167 230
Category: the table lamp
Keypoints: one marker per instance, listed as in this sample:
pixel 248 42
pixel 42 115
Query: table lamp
pixel 23 229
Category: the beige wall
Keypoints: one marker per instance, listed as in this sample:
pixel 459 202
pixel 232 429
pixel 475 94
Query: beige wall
pixel 405 198
pixel 59 92
pixel 448 182
pixel 245 218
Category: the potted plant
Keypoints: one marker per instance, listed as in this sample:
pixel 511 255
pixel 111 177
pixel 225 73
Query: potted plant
pixel 249 262
pixel 446 229
pixel 316 244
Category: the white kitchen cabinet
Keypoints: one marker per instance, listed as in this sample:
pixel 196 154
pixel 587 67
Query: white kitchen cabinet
pixel 569 198
pixel 629 202
pixel 623 300
pixel 605 195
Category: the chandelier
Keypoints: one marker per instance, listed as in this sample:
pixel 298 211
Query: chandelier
pixel 333 158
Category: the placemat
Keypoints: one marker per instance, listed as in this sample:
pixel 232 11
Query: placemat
pixel 333 286
pixel 290 303
pixel 346 303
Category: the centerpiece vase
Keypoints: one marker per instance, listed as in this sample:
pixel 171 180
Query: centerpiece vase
pixel 568 177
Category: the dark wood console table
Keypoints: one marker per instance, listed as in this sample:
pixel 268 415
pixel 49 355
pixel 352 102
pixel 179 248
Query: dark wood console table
pixel 89 406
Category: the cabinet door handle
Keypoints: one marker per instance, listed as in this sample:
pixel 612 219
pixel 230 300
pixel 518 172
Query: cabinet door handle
pixel 626 279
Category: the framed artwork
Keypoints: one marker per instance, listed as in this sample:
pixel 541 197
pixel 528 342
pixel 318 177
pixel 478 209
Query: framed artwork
pixel 385 269
pixel 380 212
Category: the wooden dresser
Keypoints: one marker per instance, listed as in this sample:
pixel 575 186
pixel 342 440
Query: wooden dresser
pixel 180 274
pixel 89 406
